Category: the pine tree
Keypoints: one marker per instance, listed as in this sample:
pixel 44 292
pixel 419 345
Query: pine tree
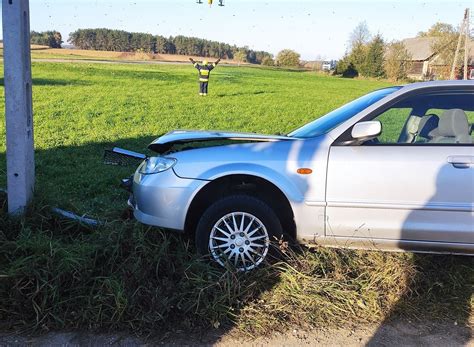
pixel 373 65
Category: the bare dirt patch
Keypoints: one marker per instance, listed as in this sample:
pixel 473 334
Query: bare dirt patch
pixel 396 333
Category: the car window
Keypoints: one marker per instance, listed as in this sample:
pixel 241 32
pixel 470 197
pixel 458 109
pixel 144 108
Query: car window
pixel 393 120
pixel 331 120
pixel 436 118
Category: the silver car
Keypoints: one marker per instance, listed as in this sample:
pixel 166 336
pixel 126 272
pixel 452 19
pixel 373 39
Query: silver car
pixel 391 170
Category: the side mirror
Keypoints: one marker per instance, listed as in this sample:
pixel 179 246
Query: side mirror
pixel 365 131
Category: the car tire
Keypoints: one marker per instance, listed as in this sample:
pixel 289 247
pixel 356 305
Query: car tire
pixel 238 230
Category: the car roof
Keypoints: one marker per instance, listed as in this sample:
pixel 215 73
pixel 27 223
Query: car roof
pixel 440 84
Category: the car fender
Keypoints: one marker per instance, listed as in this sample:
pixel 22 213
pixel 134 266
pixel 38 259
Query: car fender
pixel 288 187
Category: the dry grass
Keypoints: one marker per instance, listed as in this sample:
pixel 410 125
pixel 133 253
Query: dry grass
pixel 41 52
pixel 82 53
pixel 44 52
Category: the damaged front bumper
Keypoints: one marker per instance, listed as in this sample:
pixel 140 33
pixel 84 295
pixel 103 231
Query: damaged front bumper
pixel 162 199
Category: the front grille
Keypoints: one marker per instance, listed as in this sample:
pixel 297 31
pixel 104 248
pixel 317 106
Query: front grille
pixel 118 159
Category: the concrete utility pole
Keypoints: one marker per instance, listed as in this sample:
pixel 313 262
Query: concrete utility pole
pixel 18 104
pixel 464 31
pixel 466 42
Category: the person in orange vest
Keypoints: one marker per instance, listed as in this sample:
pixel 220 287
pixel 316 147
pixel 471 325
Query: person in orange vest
pixel 204 73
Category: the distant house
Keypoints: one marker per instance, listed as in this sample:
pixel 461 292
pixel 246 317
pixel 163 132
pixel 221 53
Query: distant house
pixel 312 65
pixel 425 62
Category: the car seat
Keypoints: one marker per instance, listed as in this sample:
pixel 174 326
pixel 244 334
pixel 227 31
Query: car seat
pixel 427 128
pixel 453 127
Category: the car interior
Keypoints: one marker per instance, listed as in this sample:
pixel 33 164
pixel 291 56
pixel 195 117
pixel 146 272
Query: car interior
pixel 429 119
pixel 452 126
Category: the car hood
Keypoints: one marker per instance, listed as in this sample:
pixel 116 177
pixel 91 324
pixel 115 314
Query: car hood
pixel 180 137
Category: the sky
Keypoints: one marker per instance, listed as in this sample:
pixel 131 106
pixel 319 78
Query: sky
pixel 315 29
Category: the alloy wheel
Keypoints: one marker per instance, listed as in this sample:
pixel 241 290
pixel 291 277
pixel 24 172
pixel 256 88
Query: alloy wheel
pixel 240 239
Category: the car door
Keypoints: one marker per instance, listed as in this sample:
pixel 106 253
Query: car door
pixel 402 187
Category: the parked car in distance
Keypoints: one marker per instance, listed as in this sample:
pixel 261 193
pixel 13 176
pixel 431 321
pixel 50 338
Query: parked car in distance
pixel 391 170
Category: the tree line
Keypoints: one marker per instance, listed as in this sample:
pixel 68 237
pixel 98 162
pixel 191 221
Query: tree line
pixel 370 56
pixel 52 39
pixel 124 41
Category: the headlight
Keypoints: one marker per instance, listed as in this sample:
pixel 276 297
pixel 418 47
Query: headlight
pixel 154 165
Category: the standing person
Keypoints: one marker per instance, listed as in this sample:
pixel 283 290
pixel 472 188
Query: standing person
pixel 204 72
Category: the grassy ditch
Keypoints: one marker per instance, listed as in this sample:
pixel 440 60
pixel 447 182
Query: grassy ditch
pixel 56 274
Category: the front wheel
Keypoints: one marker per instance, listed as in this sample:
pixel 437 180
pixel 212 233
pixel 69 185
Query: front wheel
pixel 237 230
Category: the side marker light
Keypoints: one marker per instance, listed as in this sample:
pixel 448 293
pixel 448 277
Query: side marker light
pixel 304 171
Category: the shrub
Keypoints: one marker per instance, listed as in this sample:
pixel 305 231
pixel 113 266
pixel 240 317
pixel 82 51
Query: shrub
pixel 268 61
pixel 346 68
pixel 240 57
pixel 288 58
pixel 397 61
pixel 350 71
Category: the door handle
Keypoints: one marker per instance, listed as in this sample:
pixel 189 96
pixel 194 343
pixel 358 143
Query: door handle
pixel 461 161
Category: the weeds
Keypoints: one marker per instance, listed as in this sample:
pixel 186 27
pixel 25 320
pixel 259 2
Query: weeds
pixel 56 274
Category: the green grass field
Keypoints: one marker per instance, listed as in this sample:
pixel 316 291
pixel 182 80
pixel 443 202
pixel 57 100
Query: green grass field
pixel 80 109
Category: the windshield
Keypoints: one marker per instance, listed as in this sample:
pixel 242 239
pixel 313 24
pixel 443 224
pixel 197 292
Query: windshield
pixel 338 116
